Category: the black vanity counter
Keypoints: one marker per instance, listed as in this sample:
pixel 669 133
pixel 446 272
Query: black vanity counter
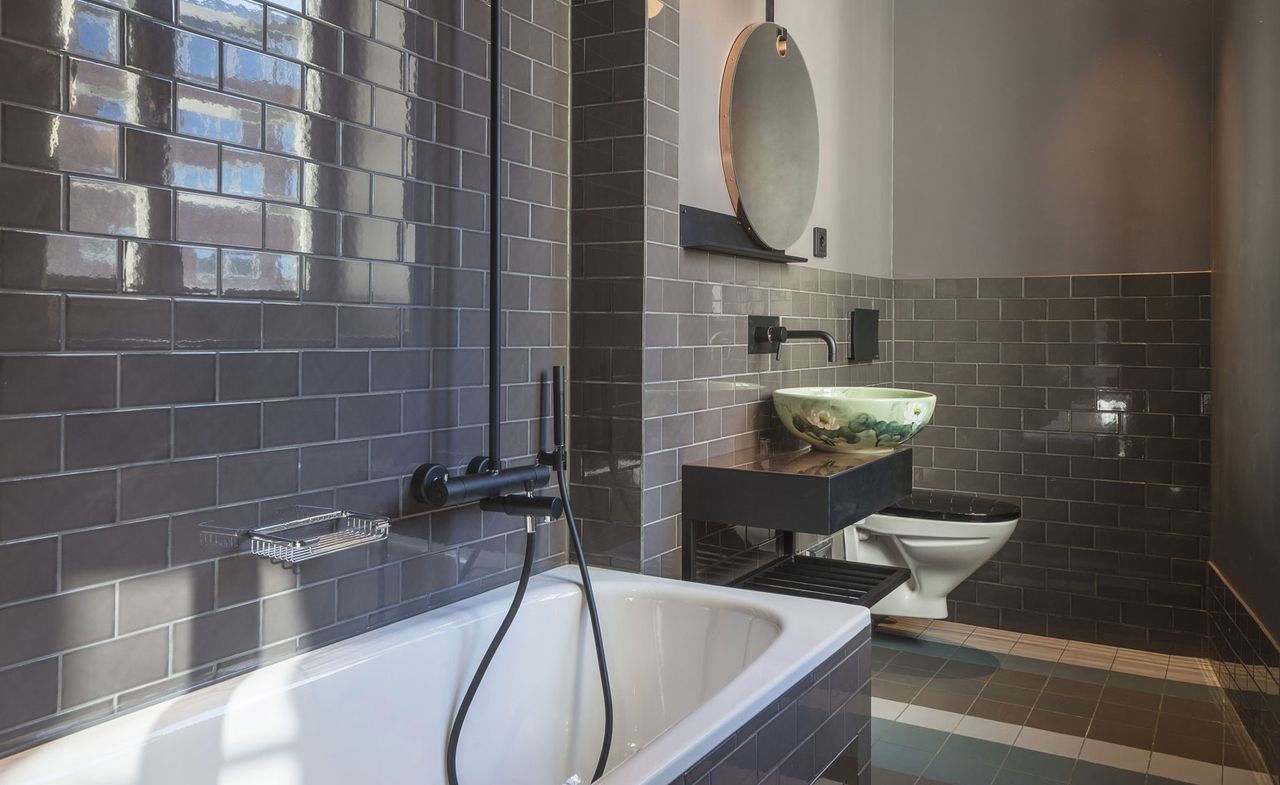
pixel 797 490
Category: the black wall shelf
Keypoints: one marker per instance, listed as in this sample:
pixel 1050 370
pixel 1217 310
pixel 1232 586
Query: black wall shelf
pixel 707 230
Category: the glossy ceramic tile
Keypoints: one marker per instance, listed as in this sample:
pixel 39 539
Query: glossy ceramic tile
pixel 217 273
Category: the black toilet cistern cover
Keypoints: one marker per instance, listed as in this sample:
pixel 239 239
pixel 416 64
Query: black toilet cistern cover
pixel 949 506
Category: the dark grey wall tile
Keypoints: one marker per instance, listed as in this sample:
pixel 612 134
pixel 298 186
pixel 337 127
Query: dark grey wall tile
pixel 147 380
pixel 258 375
pixel 100 323
pixel 30 322
pixel 368 415
pixel 300 421
pixel 216 325
pixel 294 613
pixel 118 95
pixel 98 207
pixel 153 268
pixel 114 552
pixel 160 49
pixel 158 159
pixel 168 487
pixel 215 636
pixel 111 438
pixel 328 465
pixel 52 383
pixel 210 430
pixel 269 276
pixel 41 207
pixel 56 262
pixel 34 75
pixel 56 624
pixel 28 569
pixel 257 476
pixel 31 692
pixel 70 144
pixel 114 666
pixel 299 326
pixel 163 597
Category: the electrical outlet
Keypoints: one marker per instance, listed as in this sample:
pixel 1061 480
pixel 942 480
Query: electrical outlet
pixel 819 242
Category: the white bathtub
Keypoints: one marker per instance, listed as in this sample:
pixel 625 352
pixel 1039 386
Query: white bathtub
pixel 689 665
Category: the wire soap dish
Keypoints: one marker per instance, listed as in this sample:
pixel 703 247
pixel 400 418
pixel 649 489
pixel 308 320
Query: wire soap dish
pixel 314 532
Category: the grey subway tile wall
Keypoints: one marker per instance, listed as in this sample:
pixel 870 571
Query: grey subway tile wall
pixel 242 264
pixel 608 271
pixel 1085 400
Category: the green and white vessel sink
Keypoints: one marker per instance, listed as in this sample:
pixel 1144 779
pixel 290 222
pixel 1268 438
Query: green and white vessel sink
pixel 854 419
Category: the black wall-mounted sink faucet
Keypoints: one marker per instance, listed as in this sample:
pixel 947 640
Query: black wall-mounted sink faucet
pixel 766 335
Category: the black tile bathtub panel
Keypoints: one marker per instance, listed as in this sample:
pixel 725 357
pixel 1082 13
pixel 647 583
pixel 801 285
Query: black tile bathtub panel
pixel 242 266
pixel 1085 400
pixel 1247 663
pixel 812 731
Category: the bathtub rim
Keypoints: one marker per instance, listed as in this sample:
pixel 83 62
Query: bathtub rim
pixel 809 633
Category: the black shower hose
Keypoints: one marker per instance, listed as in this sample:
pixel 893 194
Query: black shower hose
pixel 526 571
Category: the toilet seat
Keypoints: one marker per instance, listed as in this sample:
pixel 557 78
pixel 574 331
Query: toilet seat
pixel 941 537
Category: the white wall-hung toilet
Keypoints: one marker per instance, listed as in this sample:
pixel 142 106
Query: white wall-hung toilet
pixel 941 537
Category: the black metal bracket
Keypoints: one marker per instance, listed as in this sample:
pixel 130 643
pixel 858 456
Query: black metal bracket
pixel 706 230
pixel 818 578
pixel 768 10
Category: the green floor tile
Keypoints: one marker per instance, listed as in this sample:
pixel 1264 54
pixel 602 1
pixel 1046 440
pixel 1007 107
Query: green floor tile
pixel 900 758
pixel 1051 767
pixel 925 739
pixel 959 770
pixel 1007 776
pixel 1087 773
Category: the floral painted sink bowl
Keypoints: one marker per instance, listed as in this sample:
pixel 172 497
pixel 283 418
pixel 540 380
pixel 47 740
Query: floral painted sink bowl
pixel 854 419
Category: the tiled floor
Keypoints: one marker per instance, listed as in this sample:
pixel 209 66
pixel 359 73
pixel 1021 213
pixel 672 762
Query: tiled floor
pixel 972 706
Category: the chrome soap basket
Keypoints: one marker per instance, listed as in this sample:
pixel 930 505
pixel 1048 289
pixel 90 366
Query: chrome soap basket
pixel 307 534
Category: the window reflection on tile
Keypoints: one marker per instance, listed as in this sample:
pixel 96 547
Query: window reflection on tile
pixel 160 9
pixel 255 274
pixel 217 220
pixel 262 76
pixel 170 160
pixel 152 268
pixel 71 25
pixel 302 135
pixel 115 94
pixel 222 118
pixel 160 49
pixel 118 208
pixel 261 175
pixel 30 260
pixel 302 39
pixel 50 141
pixel 236 20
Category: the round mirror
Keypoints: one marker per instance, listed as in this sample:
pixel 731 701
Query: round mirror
pixel 769 135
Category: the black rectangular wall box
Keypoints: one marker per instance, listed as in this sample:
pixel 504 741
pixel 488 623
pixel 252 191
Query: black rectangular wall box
pixel 864 335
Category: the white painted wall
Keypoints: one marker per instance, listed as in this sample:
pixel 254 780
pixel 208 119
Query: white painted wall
pixel 848 46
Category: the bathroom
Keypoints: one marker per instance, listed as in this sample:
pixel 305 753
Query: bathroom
pixel 263 514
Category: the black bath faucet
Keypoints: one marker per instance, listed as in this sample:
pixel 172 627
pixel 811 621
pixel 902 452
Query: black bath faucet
pixel 767 336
